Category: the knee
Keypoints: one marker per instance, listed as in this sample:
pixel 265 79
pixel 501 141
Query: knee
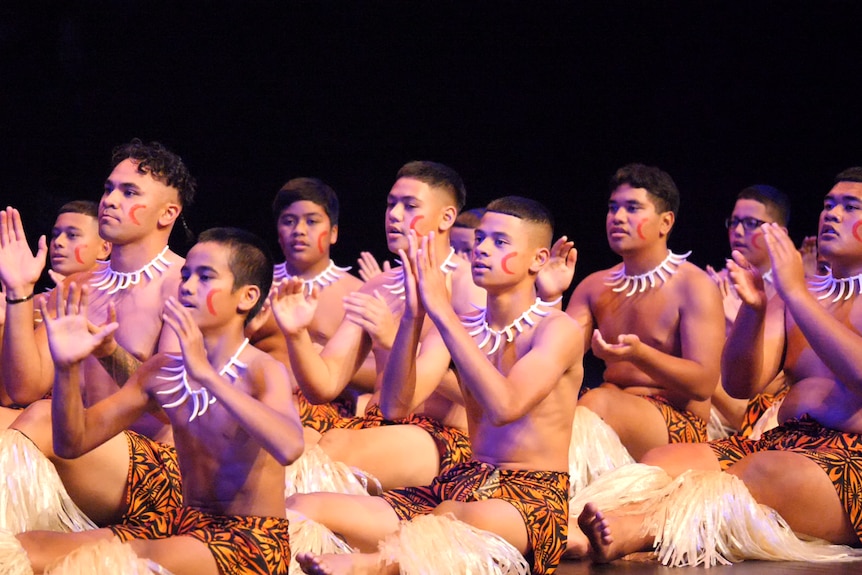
pixel 336 443
pixel 305 504
pixel 35 423
pixel 452 507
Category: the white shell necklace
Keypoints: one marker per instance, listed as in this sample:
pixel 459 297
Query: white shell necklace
pixel 325 278
pixel 201 399
pixel 397 285
pixel 478 325
pixel 846 287
pixel 619 281
pixel 114 281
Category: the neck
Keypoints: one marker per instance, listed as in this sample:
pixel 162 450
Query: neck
pixel 505 306
pixel 306 272
pixel 221 344
pixel 133 256
pixel 641 261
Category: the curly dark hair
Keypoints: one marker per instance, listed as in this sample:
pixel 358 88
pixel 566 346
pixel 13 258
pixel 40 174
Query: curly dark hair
pixel 655 181
pixel 162 164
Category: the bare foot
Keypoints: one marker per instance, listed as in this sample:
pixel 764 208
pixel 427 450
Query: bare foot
pixel 340 564
pixel 577 545
pixel 595 527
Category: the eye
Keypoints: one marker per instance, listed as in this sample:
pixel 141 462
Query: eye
pixel 185 274
pixel 500 242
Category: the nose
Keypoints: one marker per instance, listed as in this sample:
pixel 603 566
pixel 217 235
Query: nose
pixel 300 229
pixel 59 240
pixel 109 198
pixel 618 214
pixel 395 213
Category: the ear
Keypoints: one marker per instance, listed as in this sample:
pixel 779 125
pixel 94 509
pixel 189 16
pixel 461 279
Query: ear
pixel 667 220
pixel 448 219
pixel 333 234
pixel 540 259
pixel 169 214
pixel 249 294
pixel 105 248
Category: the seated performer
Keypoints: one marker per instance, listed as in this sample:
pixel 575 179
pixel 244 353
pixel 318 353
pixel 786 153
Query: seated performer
pixel 520 373
pixel 306 215
pixel 75 246
pixel 755 206
pixel 135 472
pixel 426 197
pixel 807 469
pixel 654 319
pixel 229 404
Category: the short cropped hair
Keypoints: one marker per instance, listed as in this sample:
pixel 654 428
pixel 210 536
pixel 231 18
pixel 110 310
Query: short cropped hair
pixel 310 189
pixel 250 261
pixel 853 174
pixel 469 219
pixel 657 182
pixel 162 164
pixel 438 176
pixel 83 207
pixel 776 201
pixel 525 209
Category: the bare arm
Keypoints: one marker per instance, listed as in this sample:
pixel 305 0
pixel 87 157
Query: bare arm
pixel 835 344
pixel 408 380
pixel 556 349
pixel 695 372
pixel 27 371
pixel 320 376
pixel 268 415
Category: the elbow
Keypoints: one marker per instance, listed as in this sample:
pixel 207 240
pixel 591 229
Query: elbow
pixel 66 449
pixel 501 416
pixel 287 454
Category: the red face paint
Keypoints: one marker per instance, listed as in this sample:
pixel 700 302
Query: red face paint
pixel 78 253
pixel 755 241
pixel 856 231
pixel 210 296
pixel 640 230
pixel 413 223
pixel 132 211
pixel 505 260
pixel 320 239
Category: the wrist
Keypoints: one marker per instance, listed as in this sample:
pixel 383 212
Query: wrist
pixel 14 297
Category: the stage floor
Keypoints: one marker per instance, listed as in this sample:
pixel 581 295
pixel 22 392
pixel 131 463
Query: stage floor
pixel 744 568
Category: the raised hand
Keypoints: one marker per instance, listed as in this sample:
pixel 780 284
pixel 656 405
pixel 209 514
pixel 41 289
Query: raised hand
pixel 109 344
pixel 180 320
pixel 625 349
pixel 292 308
pixel 746 281
pixel 788 272
pixel 729 298
pixel 69 337
pixel 368 266
pixel 413 307
pixel 557 275
pixel 19 268
pixel 430 278
pixel 372 313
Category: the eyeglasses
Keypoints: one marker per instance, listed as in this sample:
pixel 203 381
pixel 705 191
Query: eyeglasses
pixel 748 224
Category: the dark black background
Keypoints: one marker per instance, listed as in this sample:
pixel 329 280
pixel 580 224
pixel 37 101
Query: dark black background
pixel 544 99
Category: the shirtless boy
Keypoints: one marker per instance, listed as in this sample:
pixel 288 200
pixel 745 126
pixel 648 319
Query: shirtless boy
pixel 425 198
pixel 655 320
pixel 306 215
pixel 813 452
pixel 230 407
pixel 143 198
pixel 520 402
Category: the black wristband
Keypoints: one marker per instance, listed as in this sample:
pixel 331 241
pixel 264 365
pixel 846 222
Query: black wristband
pixel 20 300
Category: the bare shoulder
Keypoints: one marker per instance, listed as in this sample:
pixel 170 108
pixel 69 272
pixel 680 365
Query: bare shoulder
pixel 563 331
pixel 696 282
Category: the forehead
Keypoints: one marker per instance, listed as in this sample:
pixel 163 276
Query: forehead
pixel 303 208
pixel 209 254
pixel 409 187
pixel 75 220
pixel 126 172
pixel 626 193
pixel 750 208
pixel 841 189
pixel 495 222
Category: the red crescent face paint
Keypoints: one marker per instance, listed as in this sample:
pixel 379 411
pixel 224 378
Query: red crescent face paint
pixel 856 231
pixel 210 296
pixel 78 253
pixel 320 239
pixel 505 260
pixel 413 223
pixel 132 211
pixel 640 230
